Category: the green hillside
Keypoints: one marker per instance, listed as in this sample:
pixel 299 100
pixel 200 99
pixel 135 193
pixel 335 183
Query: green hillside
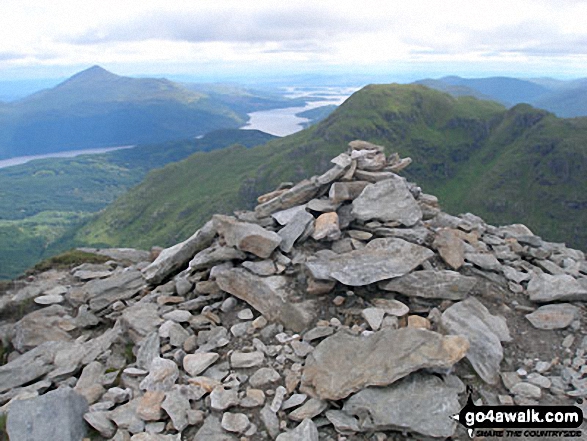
pixel 41 201
pixel 518 165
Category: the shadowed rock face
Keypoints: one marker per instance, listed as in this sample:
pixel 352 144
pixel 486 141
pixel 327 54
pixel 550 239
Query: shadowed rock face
pixel 352 286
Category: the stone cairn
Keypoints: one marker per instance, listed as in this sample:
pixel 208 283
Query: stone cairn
pixel 345 307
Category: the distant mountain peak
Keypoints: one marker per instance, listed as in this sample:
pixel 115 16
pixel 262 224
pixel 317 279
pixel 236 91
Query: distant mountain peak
pixel 92 74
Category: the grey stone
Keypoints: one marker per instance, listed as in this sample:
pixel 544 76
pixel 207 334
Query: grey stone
pixel 126 418
pixel 235 422
pixel 371 176
pixel 262 267
pixel 148 349
pixel 294 229
pixel 101 422
pixel 246 236
pixel 284 217
pixel 101 293
pixel 484 261
pixel 172 260
pixel 294 401
pixel 270 420
pixel 318 332
pixel 417 235
pixel 30 366
pixel 195 364
pixel 424 406
pixel 305 431
pixel 344 363
pixel 555 316
pixel 485 333
pixel 380 259
pixel 515 275
pixel 388 200
pixel 89 384
pixel 299 194
pixel 544 288
pixel 49 299
pixel 432 284
pixel 246 359
pixel 342 422
pixel 162 375
pixel 211 430
pixel 322 205
pixel 35 419
pixel 176 404
pixel 140 320
pixel 311 408
pixel 526 390
pixel 38 327
pixel 214 255
pixel 222 399
pixel 345 191
pixel 374 317
pixel 391 307
pixel 267 295
pixel 264 377
pixel 178 316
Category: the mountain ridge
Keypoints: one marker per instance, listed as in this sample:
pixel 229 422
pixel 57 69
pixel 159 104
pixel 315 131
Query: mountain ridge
pixel 460 146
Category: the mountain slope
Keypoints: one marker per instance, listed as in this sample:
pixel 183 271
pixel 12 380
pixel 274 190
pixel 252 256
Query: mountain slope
pixel 522 165
pixel 42 200
pixel 96 108
pixel 566 99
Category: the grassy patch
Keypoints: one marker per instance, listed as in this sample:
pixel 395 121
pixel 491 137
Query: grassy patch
pixel 68 259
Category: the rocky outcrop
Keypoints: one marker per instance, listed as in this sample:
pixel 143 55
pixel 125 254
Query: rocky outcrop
pixel 347 305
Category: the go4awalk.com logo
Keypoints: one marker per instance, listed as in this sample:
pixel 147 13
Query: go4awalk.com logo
pixel 521 421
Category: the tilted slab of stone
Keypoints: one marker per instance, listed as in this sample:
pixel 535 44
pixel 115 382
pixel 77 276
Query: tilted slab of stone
pixel 268 295
pixel 544 288
pixel 380 259
pixel 29 366
pixel 388 200
pixel 555 316
pixel 485 332
pixel 299 194
pixel 100 293
pixel 214 255
pixel 344 363
pixel 450 247
pixel 420 403
pixel 294 229
pixel 432 284
pixel 38 327
pixel 57 415
pixel 245 236
pixel 174 259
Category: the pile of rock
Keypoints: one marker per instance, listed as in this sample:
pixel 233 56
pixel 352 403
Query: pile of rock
pixel 347 306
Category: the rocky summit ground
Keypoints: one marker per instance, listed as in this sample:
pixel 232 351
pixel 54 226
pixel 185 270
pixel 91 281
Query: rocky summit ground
pixel 345 307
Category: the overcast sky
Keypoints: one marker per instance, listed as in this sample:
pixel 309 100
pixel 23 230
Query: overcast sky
pixel 235 37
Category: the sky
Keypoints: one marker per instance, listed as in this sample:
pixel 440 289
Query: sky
pixel 234 38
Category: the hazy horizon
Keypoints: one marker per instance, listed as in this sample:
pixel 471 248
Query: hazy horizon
pixel 231 40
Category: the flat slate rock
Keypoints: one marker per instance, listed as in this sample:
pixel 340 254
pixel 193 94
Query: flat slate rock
pixel 421 403
pixel 305 431
pixel 268 295
pixel 432 284
pixel 555 316
pixel 212 430
pixel 380 259
pixel 450 247
pixel 35 419
pixel 344 363
pixel 388 200
pixel 485 332
pixel 544 288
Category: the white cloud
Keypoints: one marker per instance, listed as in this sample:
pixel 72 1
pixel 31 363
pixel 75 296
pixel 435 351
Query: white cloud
pixel 267 33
